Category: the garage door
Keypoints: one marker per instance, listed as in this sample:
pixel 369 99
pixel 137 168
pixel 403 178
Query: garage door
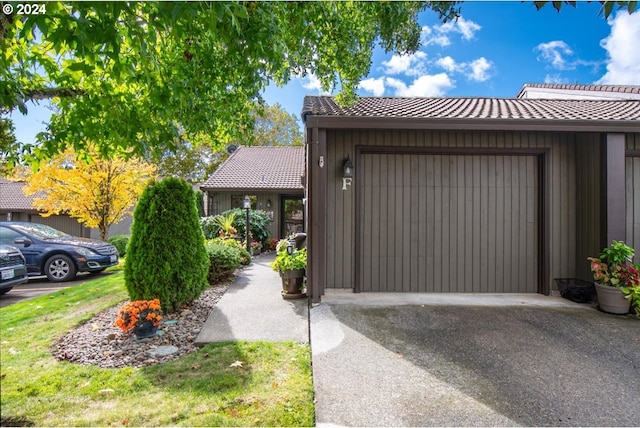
pixel 448 223
pixel 633 204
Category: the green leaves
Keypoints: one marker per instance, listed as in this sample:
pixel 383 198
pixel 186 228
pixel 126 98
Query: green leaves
pixel 140 74
pixel 607 6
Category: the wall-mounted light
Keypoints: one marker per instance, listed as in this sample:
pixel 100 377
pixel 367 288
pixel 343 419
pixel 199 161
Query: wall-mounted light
pixel 347 168
pixel 268 203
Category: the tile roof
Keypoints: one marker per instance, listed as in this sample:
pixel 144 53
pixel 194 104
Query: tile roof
pixel 485 109
pixel 12 198
pixel 255 168
pixel 627 89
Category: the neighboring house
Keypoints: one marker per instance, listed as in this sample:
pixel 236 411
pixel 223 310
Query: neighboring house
pixel 15 206
pixel 582 92
pixel 473 195
pixel 273 179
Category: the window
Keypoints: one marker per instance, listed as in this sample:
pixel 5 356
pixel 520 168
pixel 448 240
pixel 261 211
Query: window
pixel 237 201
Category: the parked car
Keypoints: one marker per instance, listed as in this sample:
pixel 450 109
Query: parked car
pixel 58 255
pixel 12 268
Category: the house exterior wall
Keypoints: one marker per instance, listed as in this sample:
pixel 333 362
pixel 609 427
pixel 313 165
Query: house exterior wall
pixel 632 186
pixel 588 195
pixel 559 201
pixel 61 222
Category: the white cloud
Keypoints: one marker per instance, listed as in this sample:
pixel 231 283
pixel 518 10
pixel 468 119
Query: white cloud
pixel 375 86
pixel 479 69
pixel 555 53
pixel 411 64
pixel 440 34
pixel 447 63
pixel 554 78
pixel 623 64
pixel 313 84
pixel 424 86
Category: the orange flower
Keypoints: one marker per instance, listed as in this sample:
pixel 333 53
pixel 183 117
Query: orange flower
pixel 133 314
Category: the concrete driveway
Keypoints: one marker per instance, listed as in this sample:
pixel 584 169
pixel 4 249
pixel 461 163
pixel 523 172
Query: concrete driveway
pixel 398 360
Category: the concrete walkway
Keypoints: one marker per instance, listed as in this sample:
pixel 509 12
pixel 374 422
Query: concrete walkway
pixel 397 359
pixel 253 309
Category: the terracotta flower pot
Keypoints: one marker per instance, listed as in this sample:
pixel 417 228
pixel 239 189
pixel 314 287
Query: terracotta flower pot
pixel 611 300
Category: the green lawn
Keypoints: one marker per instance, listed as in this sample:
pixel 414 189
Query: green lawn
pixel 272 387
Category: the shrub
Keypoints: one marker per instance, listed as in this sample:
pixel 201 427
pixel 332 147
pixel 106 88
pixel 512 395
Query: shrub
pixel 271 244
pixel 223 260
pixel 120 242
pixel 245 257
pixel 166 257
pixel 259 223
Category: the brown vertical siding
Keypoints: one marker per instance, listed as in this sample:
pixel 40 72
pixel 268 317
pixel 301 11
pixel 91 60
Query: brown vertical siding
pixel 612 184
pixel 62 222
pixel 587 202
pixel 559 174
pixel 632 186
pixel 458 222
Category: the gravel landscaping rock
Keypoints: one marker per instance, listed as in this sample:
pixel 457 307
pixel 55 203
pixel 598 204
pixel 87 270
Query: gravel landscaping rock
pixel 99 342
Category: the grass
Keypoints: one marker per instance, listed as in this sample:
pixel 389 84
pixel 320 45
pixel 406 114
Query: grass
pixel 272 386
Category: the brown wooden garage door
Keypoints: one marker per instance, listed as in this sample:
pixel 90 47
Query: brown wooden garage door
pixel 632 169
pixel 448 223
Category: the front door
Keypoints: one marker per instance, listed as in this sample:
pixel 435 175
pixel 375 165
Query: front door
pixel 292 211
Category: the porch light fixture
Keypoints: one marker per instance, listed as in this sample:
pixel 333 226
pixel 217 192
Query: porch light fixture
pixel 268 203
pixel 347 168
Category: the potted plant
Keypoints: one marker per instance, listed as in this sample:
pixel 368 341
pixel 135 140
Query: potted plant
pixel 290 263
pixel 140 316
pixel 256 248
pixel 617 280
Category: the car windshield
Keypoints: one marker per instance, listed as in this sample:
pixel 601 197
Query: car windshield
pixel 40 231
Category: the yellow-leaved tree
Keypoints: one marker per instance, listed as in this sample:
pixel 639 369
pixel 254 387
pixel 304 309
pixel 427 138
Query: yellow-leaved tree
pixel 98 192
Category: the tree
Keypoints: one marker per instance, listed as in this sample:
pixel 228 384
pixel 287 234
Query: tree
pixel 196 160
pixel 8 144
pixel 141 75
pixel 190 161
pixel 275 127
pixel 606 9
pixel 166 257
pixel 98 192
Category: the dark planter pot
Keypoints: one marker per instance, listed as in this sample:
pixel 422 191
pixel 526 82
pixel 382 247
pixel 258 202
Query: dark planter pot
pixel 611 300
pixel 292 282
pixel 145 330
pixel 298 273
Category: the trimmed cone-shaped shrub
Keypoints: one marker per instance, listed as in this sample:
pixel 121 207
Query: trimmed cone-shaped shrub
pixel 166 256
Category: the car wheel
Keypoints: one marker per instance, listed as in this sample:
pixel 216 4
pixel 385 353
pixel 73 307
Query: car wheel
pixel 5 291
pixel 60 268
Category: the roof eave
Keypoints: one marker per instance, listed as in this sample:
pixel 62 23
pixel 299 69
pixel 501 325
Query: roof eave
pixel 484 124
pixel 254 189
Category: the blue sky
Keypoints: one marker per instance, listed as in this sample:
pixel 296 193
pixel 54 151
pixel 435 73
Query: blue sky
pixel 491 51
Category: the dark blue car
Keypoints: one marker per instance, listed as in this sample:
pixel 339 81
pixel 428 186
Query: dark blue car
pixel 12 268
pixel 56 254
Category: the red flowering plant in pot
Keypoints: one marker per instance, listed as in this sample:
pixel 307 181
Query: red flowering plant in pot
pixel 617 279
pixel 140 316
